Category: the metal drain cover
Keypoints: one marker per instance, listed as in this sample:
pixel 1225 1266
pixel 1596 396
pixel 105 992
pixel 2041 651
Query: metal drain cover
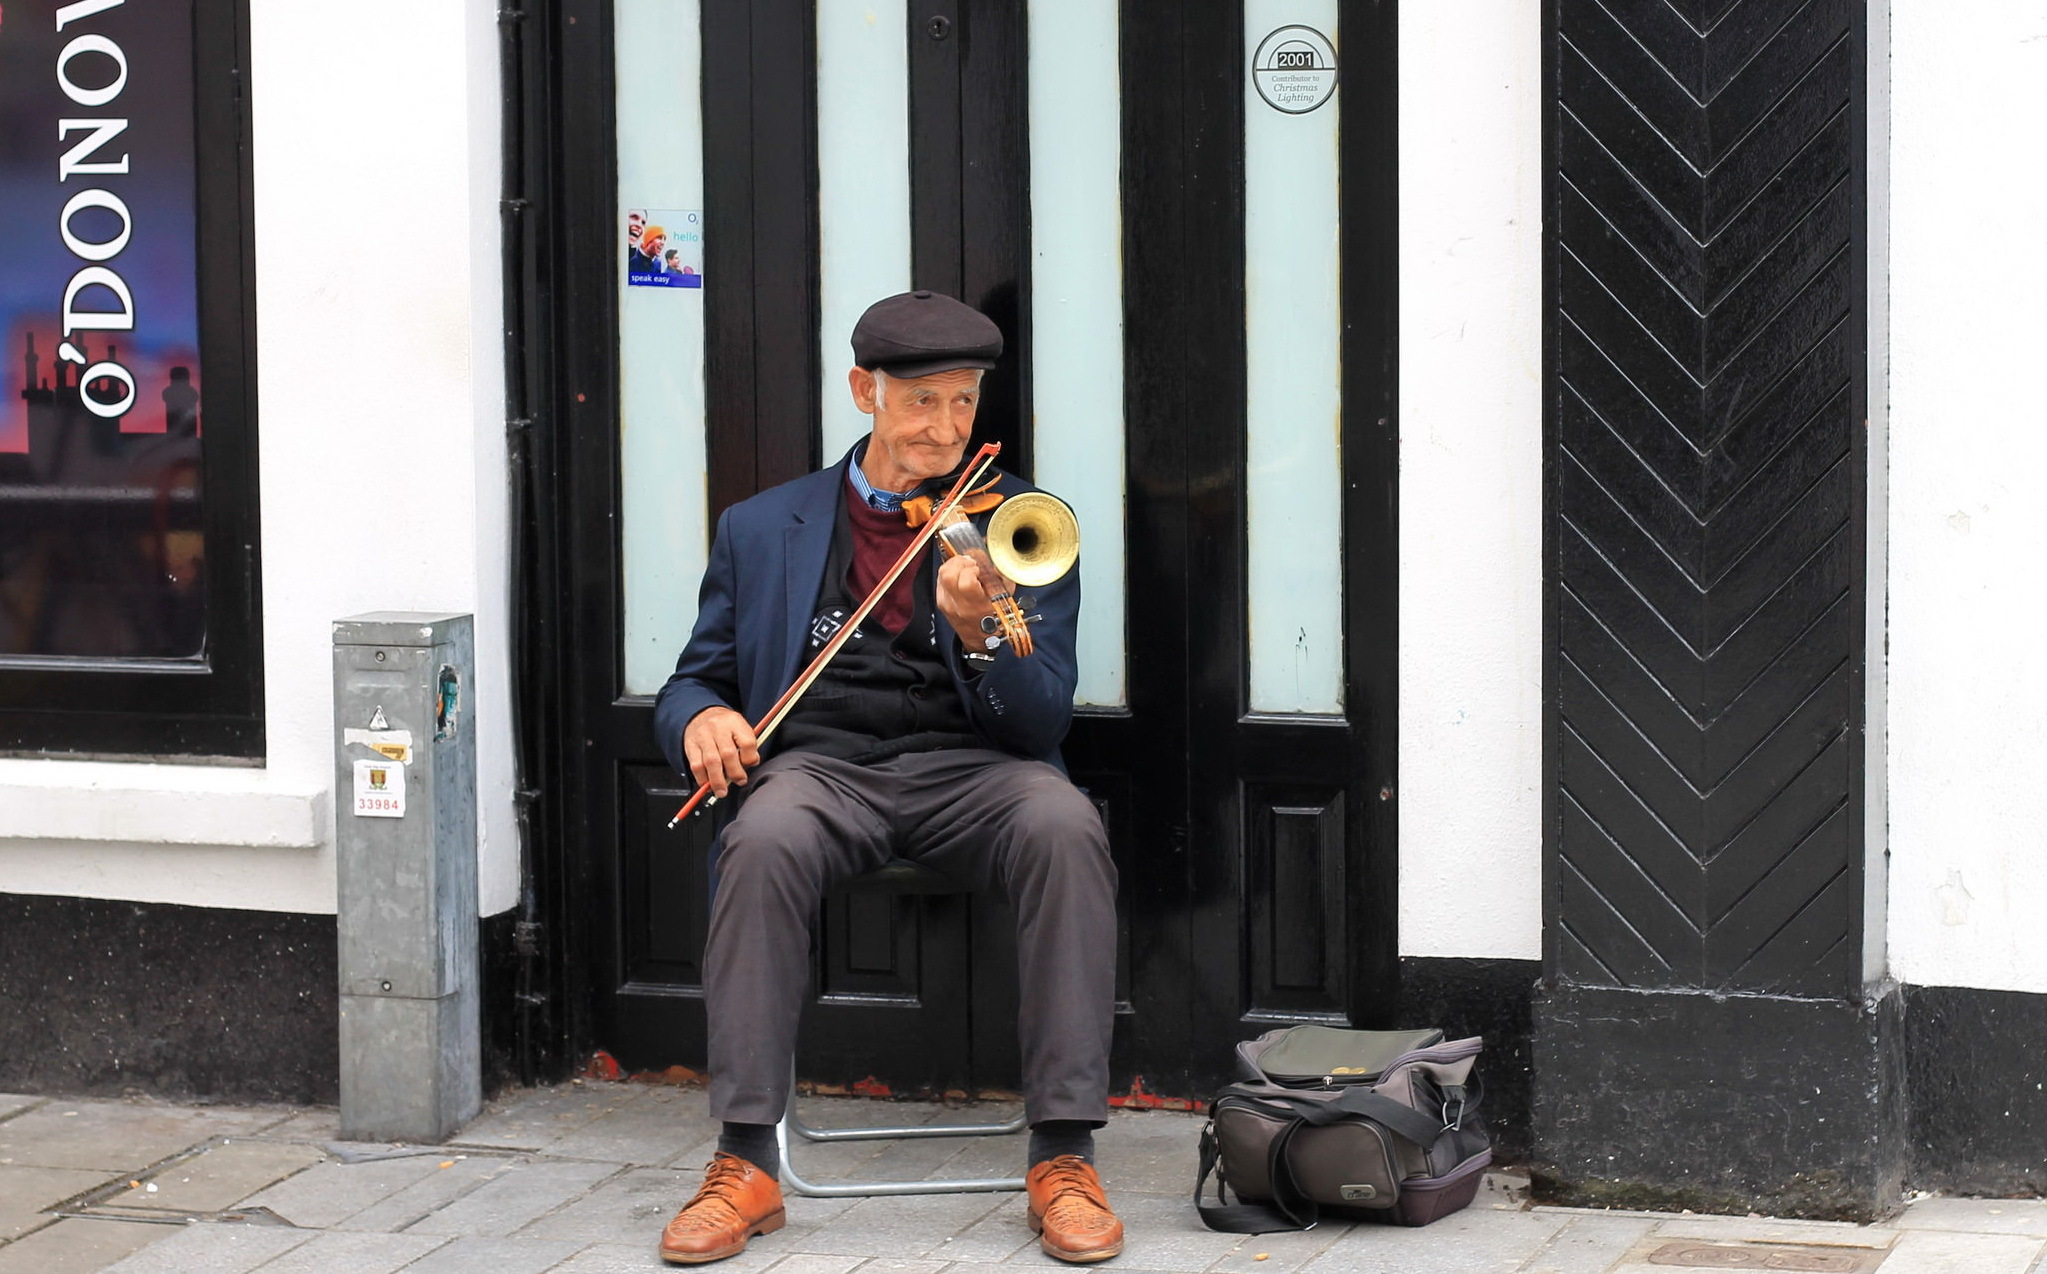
pixel 1775 1256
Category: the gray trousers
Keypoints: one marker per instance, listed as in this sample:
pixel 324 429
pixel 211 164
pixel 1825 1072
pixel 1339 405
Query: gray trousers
pixel 985 818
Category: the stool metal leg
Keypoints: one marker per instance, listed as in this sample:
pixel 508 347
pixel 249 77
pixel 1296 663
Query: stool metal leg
pixel 809 1133
pixel 862 1189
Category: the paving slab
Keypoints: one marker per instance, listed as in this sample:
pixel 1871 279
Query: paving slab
pixel 911 1226
pixel 487 1255
pixel 1277 1253
pixel 1159 1232
pixel 932 1158
pixel 1760 1229
pixel 1589 1244
pixel 1928 1252
pixel 825 1163
pixel 995 1237
pixel 522 1192
pixel 1148 1152
pixel 1143 1168
pixel 26 1193
pixel 629 1208
pixel 1978 1216
pixel 1465 1242
pixel 806 1217
pixel 329 1193
pixel 661 1127
pixel 977 1157
pixel 314 1124
pixel 535 1118
pixel 118 1136
pixel 637 1258
pixel 1502 1191
pixel 891 1265
pixel 212 1247
pixel 831 1162
pixel 422 1197
pixel 355 1253
pixel 78 1246
pixel 12 1104
pixel 219 1176
pixel 619 1258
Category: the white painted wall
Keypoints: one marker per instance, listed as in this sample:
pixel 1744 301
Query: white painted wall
pixel 1471 479
pixel 1968 526
pixel 380 419
pixel 1876 688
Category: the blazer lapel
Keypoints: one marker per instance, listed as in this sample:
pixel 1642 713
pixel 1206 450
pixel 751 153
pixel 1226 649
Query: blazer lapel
pixel 807 542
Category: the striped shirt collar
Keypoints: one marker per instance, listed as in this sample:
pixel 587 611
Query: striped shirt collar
pixel 885 501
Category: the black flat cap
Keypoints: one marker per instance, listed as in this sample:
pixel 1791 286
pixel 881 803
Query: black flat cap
pixel 918 333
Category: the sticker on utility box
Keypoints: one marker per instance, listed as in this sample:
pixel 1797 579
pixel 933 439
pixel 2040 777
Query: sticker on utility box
pixel 395 745
pixel 379 789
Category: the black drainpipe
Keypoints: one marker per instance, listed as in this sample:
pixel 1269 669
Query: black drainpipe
pixel 535 1022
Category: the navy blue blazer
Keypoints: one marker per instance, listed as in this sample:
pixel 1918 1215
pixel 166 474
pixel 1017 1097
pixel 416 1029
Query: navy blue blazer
pixel 760 593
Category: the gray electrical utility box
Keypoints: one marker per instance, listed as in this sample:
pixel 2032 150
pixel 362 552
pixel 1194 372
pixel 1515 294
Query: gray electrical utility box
pixel 405 850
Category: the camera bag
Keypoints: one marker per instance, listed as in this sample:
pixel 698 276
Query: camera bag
pixel 1363 1125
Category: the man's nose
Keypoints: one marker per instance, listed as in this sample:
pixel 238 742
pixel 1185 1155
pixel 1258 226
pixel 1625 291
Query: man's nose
pixel 955 418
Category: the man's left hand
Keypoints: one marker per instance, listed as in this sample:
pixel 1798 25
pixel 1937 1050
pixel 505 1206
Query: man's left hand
pixel 963 601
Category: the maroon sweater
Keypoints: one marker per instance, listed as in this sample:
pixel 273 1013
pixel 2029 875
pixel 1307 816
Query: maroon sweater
pixel 878 540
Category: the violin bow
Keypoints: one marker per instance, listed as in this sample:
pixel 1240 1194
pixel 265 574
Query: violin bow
pixel 971 474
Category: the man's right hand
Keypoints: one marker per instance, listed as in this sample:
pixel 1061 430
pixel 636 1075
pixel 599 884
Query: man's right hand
pixel 720 747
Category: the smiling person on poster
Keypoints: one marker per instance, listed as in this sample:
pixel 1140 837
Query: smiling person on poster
pixel 923 739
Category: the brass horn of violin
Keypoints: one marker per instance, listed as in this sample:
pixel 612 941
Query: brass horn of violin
pixel 1033 538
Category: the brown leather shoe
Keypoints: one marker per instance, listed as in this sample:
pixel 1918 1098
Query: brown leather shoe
pixel 1070 1213
pixel 737 1201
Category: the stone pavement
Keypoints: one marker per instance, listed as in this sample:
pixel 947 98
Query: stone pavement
pixel 580 1179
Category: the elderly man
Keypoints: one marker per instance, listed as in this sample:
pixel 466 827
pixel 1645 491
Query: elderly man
pixel 924 740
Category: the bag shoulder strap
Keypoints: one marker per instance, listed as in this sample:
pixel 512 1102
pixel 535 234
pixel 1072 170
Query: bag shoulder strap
pixel 1323 1108
pixel 1288 1204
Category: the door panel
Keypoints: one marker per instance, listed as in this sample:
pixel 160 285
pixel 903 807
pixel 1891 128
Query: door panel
pixel 1295 884
pixel 863 187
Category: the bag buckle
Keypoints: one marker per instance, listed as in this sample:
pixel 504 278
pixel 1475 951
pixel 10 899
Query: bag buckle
pixel 1456 1124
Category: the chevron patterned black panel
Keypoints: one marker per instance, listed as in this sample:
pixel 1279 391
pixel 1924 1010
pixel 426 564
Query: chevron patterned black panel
pixel 1704 389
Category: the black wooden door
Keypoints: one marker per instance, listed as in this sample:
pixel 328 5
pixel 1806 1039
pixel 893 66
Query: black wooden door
pixel 1256 852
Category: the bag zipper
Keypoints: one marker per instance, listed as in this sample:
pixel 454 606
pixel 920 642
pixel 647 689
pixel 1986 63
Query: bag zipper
pixel 1453 1051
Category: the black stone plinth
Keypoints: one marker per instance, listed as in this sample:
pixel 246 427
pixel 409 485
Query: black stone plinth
pixel 1720 1103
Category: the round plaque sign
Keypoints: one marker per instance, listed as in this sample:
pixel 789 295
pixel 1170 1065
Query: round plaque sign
pixel 1294 69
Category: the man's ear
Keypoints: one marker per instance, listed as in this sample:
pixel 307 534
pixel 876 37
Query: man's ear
pixel 861 382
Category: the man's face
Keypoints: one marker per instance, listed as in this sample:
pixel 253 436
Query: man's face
pixel 921 424
pixel 651 244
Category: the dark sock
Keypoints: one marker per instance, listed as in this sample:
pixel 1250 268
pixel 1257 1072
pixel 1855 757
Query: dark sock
pixel 1055 1137
pixel 754 1143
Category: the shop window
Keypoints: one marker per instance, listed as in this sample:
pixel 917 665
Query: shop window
pixel 129 622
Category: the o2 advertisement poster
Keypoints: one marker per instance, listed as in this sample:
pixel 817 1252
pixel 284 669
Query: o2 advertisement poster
pixel 664 249
pixel 101 381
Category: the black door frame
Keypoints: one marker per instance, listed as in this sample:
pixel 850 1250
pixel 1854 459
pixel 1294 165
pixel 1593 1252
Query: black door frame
pixel 1182 67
